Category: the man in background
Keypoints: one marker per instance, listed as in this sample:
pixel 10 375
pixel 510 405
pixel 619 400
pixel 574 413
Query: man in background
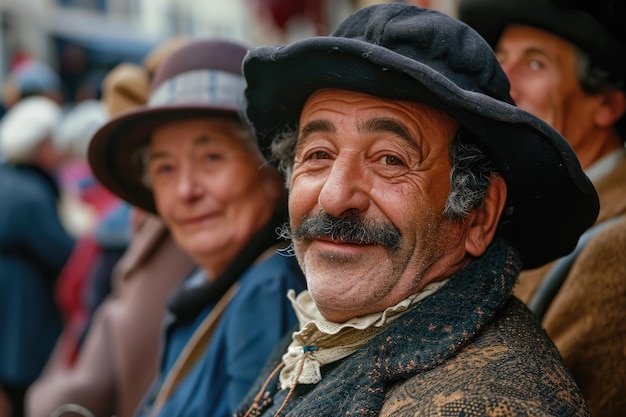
pixel 566 62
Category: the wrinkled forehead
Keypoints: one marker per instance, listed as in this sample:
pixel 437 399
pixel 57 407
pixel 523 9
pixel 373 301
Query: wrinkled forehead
pixel 361 110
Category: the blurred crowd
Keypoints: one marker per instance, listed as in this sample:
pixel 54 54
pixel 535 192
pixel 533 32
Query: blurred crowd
pixel 62 231
pixel 102 291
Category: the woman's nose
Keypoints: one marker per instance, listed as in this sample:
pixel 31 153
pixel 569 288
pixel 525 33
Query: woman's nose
pixel 189 186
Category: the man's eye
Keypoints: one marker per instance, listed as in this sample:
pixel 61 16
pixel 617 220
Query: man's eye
pixel 318 155
pixel 392 160
pixel 535 65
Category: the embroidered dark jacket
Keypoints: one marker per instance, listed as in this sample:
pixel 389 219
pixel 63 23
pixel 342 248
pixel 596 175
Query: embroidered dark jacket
pixel 470 349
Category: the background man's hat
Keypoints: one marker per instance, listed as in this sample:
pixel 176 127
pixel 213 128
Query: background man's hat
pixel 202 77
pixel 403 52
pixel 157 55
pixel 125 87
pixel 595 27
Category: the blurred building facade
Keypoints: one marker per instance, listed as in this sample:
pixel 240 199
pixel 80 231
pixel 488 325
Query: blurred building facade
pixel 83 39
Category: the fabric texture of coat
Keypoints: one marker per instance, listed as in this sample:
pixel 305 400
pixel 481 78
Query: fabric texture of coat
pixel 587 318
pixel 253 322
pixel 469 349
pixel 34 247
pixel 118 359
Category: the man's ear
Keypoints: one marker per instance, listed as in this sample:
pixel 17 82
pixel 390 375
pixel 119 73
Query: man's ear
pixel 483 221
pixel 611 109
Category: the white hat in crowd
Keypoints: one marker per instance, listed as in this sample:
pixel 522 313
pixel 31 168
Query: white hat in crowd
pixel 25 125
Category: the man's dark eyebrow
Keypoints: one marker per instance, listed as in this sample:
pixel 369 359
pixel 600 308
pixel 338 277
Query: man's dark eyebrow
pixel 318 125
pixel 373 125
pixel 385 124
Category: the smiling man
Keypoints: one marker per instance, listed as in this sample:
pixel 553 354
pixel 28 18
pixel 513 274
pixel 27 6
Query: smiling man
pixel 417 193
pixel 359 154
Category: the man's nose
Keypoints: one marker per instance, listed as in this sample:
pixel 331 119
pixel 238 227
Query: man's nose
pixel 346 188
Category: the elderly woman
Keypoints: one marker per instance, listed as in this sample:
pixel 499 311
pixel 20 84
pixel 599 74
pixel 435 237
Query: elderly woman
pixel 189 157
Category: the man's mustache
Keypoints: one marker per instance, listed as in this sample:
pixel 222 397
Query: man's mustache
pixel 352 229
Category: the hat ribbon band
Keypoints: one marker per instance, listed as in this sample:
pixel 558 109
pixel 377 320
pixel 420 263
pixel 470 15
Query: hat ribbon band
pixel 212 87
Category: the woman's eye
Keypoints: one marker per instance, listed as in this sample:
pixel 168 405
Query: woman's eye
pixel 162 169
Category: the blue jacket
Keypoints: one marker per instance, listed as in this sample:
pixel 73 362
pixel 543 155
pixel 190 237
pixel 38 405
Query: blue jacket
pixel 254 321
pixel 34 247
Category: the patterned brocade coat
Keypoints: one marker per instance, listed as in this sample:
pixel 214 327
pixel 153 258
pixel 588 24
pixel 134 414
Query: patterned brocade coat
pixel 469 349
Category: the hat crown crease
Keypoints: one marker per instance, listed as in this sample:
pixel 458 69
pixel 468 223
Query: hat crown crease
pixel 451 54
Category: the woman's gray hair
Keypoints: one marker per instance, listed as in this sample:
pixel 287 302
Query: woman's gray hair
pixel 469 178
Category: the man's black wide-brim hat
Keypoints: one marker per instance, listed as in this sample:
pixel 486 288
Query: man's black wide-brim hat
pixel 404 52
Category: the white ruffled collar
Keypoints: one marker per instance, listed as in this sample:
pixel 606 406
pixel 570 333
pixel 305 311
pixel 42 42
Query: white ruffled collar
pixel 319 341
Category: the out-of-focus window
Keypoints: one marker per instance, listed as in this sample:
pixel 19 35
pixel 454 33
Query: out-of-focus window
pixel 95 5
